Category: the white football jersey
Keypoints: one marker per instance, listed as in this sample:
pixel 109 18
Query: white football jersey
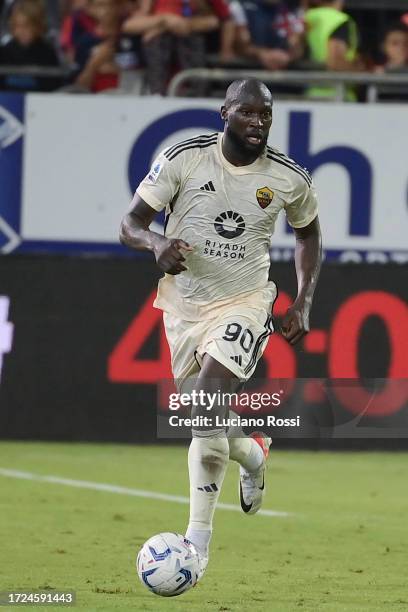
pixel 226 213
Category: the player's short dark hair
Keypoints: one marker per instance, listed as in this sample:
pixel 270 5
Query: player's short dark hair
pixel 241 86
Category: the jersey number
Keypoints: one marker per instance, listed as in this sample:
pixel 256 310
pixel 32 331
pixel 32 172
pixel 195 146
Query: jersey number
pixel 233 332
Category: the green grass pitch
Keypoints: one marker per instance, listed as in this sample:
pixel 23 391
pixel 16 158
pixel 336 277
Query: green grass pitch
pixel 342 548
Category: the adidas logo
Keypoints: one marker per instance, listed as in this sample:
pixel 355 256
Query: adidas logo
pixel 209 488
pixel 237 359
pixel 208 187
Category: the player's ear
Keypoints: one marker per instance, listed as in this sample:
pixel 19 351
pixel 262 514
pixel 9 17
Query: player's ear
pixel 224 113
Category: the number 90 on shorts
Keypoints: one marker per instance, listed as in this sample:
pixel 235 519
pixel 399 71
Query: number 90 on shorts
pixel 236 339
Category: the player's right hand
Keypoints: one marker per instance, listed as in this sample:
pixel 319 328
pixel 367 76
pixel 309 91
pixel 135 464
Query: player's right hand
pixel 169 257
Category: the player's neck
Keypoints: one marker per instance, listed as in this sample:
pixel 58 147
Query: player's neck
pixel 235 155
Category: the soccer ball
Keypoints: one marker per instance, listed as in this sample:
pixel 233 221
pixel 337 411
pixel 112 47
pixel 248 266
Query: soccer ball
pixel 168 564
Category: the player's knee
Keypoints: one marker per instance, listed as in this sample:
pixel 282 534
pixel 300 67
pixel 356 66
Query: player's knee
pixel 214 448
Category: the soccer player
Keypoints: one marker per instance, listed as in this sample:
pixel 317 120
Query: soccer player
pixel 222 193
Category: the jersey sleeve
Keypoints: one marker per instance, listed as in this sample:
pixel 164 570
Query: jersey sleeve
pixel 162 182
pixel 301 209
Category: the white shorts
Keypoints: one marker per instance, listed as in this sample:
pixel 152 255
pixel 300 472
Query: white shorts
pixel 236 337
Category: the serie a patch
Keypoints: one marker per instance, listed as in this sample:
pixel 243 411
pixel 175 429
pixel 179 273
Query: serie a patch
pixel 154 172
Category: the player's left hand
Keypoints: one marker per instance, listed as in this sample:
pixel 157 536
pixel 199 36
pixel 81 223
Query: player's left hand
pixel 295 323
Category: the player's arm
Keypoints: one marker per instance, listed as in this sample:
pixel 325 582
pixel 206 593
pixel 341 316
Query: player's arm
pixel 301 213
pixel 135 233
pixel 308 256
pixel 159 187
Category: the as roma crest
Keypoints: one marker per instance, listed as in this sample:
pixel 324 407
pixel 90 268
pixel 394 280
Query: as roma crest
pixel 264 196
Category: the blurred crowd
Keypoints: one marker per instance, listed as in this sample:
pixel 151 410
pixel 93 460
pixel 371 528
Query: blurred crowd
pixel 97 44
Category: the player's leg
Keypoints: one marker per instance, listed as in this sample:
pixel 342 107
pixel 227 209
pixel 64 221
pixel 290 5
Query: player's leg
pixel 238 341
pixel 209 449
pixel 208 454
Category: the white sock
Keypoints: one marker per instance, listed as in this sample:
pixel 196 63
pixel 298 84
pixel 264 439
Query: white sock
pixel 207 464
pixel 243 449
pixel 200 538
pixel 247 452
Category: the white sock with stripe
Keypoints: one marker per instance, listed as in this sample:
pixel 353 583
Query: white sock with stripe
pixel 207 464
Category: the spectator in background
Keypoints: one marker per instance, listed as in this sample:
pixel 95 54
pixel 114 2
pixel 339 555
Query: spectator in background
pixel 28 47
pixel 332 40
pixel 275 32
pixel 174 35
pixel 395 49
pixel 95 48
pixel 141 20
pixel 235 38
pixel 76 23
pixel 103 51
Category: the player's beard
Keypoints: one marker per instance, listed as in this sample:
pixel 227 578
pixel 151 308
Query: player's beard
pixel 244 148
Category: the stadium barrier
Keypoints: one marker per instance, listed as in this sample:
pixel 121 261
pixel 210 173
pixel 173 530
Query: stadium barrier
pixel 376 83
pixel 35 71
pixel 33 78
pixel 83 354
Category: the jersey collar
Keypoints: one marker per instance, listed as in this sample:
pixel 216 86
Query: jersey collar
pixel 238 169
